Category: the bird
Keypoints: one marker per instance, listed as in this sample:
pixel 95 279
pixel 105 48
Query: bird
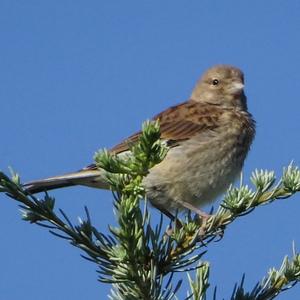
pixel 209 137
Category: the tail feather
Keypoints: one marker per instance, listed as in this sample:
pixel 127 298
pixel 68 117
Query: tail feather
pixel 92 178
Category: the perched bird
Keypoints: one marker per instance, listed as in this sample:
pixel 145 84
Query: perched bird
pixel 209 137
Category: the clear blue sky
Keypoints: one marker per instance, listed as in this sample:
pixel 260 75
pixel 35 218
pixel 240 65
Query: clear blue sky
pixel 76 76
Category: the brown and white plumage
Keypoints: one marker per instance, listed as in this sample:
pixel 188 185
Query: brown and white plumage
pixel 209 137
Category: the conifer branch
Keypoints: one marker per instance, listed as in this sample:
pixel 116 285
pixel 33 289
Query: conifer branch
pixel 274 283
pixel 140 259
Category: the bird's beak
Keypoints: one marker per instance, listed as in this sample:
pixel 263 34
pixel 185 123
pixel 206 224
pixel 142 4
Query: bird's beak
pixel 237 86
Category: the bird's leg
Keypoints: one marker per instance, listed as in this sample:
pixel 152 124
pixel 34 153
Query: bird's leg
pixel 203 215
pixel 194 209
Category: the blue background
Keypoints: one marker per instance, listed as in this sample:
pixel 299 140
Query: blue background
pixel 76 76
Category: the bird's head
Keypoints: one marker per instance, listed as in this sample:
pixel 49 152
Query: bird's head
pixel 221 85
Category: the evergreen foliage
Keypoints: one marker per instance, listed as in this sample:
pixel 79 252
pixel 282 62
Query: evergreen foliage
pixel 139 258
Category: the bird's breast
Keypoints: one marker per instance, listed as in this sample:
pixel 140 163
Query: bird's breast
pixel 199 169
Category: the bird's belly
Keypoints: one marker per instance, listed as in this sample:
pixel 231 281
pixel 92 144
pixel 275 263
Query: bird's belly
pixel 194 172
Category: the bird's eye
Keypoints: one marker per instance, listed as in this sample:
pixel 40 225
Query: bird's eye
pixel 215 82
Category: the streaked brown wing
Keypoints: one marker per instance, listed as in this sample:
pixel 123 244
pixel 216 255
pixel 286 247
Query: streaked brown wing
pixel 178 123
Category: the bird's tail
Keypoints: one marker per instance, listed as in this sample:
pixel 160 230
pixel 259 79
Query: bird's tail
pixel 93 178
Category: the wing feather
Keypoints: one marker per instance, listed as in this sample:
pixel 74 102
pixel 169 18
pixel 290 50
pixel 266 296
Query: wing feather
pixel 178 123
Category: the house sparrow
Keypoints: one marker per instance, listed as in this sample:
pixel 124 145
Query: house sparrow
pixel 209 137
